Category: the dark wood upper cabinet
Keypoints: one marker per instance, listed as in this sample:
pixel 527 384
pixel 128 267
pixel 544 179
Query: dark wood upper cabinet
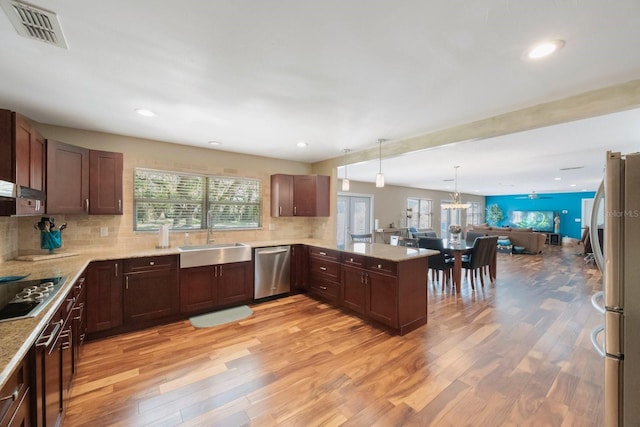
pixel 80 180
pixel 281 195
pixel 105 182
pixel 67 178
pixel 22 161
pixel 300 195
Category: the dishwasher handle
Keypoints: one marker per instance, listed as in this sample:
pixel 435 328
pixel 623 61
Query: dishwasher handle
pixel 273 252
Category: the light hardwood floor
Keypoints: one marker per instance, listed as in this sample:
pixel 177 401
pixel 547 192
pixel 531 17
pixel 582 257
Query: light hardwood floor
pixel 513 353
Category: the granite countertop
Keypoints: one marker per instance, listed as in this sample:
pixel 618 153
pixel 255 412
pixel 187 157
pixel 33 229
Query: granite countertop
pixel 17 336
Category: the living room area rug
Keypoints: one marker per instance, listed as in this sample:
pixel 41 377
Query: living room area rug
pixel 221 317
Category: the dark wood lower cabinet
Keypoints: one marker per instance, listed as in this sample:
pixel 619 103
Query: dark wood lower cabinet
pixel 213 286
pixel 391 293
pixel 79 319
pixel 382 298
pixel 150 288
pixel 104 295
pixel 197 291
pixel 48 378
pixel 235 283
pixel 15 397
pixel 354 287
pixel 298 267
pixel 324 274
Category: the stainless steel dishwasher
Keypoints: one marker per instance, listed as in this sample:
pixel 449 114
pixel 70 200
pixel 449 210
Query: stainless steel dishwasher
pixel 272 271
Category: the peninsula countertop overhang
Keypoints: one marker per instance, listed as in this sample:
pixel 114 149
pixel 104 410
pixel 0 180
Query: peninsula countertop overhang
pixel 17 337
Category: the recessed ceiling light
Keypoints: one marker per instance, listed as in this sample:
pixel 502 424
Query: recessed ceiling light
pixel 557 178
pixel 572 185
pixel 544 49
pixel 302 144
pixel 145 112
pixel 215 143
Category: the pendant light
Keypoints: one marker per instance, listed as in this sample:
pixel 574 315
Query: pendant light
pixel 345 180
pixel 457 201
pixel 380 176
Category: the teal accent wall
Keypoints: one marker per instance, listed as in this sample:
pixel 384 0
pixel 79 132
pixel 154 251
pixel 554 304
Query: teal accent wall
pixel 557 202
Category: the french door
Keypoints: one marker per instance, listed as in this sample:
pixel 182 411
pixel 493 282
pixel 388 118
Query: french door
pixel 448 217
pixel 353 216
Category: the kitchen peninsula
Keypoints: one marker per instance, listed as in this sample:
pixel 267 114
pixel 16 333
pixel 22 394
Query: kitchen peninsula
pixel 381 283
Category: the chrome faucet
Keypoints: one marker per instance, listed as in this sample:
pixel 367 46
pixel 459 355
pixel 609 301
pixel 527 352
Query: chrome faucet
pixel 210 238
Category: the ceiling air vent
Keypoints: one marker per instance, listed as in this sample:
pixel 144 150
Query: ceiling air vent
pixel 35 23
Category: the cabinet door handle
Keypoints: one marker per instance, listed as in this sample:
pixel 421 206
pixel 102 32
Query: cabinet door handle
pixel 79 308
pixel 323 268
pixel 119 205
pixel 116 264
pixel 324 288
pixel 279 210
pixel 126 282
pixel 86 202
pixel 49 338
pixel 322 253
pixel 152 263
pixel 13 396
pixel 295 210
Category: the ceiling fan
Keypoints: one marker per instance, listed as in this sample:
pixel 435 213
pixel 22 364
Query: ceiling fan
pixel 533 196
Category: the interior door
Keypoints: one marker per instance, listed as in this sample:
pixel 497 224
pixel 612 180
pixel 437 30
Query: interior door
pixel 353 216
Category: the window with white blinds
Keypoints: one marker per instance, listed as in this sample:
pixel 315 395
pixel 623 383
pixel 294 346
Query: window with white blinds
pixel 181 200
pixel 419 213
pixel 474 213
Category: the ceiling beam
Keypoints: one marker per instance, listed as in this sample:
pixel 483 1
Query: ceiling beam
pixel 611 99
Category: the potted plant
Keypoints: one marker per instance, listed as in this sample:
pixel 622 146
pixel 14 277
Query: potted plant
pixel 494 214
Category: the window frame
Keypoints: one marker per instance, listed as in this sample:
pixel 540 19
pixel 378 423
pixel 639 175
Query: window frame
pixel 474 213
pixel 204 203
pixel 419 214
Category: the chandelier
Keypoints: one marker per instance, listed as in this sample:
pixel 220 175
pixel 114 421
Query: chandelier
pixel 457 200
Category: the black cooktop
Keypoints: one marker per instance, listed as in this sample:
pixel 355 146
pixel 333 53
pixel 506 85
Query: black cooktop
pixel 27 298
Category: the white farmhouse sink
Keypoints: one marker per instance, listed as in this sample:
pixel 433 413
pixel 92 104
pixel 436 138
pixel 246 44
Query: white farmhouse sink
pixel 219 253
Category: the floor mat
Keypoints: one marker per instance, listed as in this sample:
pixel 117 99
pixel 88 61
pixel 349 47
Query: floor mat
pixel 221 317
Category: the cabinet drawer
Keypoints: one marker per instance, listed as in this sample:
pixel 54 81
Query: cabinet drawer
pixel 13 392
pixel 324 253
pixel 324 288
pixel 353 259
pixel 325 268
pixel 150 263
pixel 383 266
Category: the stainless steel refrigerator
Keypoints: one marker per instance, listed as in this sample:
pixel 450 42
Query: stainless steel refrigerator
pixel 621 289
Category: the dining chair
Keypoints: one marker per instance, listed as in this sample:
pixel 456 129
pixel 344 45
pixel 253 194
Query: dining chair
pixel 361 238
pixel 408 242
pixel 437 263
pixel 471 236
pixel 480 257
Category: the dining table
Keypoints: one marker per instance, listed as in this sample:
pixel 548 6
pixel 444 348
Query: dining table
pixel 456 249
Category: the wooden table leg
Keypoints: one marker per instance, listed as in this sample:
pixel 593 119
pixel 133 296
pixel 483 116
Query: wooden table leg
pixel 457 269
pixel 492 267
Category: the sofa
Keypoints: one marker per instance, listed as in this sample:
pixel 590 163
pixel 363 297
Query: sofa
pixel 531 241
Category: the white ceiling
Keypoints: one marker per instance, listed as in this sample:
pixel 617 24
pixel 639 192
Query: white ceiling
pixel 260 76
